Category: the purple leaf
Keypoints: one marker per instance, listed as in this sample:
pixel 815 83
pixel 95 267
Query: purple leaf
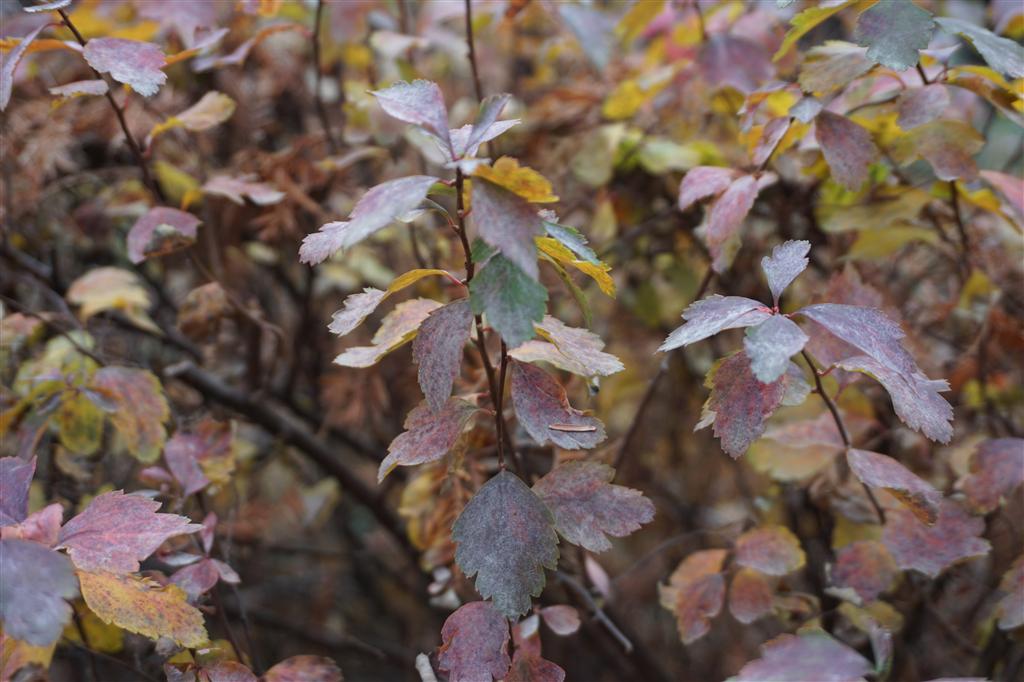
pixel 702 182
pixel 695 593
pixel 808 656
pixel 428 435
pixel 420 103
pixel 508 223
pixel 89 87
pixel 726 215
pixel 772 550
pixel 474 643
pixel 241 188
pixel 865 567
pixel 160 231
pixel 10 66
pixel 486 126
pixel 918 106
pixel 771 344
pixel 116 531
pixel 587 506
pixel 847 147
pixel 955 536
pixel 437 350
pixel 505 536
pixel 785 264
pixel 997 469
pixel 36 582
pixel 725 60
pixel 713 314
pixel 544 411
pixel 377 208
pixel 880 471
pixel 130 62
pixel 15 480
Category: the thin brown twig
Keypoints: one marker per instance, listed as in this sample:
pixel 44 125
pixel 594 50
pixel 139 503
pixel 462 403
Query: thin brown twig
pixel 472 51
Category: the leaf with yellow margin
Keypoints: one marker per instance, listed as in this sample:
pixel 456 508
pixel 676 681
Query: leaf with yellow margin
pixel 599 272
pixel 520 180
pixel 637 18
pixel 140 605
pixel 804 23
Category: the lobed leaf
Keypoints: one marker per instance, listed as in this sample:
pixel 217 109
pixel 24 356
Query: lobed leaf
pixel 543 409
pixel 429 434
pixel 702 182
pixel 695 593
pixel 997 469
pixel 1002 54
pixel 879 471
pixel 396 329
pixel 771 344
pixel 160 231
pixel 714 314
pixel 785 264
pixel 42 526
pixel 140 408
pixel 847 147
pixel 132 62
pixel 505 536
pixel 571 349
pixel 894 31
pixel 587 506
pixel 948 145
pixel 437 350
pixel 474 643
pixel 772 550
pixel 116 531
pixel 955 536
pixel 380 206
pixel 36 584
pixel 524 181
pixel 811 655
pixel 510 298
pixel 866 567
pixel 420 103
pixel 530 667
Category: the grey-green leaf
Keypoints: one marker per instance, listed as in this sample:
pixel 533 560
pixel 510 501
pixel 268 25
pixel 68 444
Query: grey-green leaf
pixel 1002 54
pixel 506 537
pixel 894 31
pixel 510 298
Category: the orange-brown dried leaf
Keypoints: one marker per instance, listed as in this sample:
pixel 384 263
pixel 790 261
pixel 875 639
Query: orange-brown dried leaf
pixel 772 550
pixel 304 669
pixel 867 567
pixel 695 592
pixel 751 595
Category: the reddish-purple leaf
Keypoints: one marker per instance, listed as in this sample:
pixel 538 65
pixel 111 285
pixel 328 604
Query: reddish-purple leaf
pixel 948 145
pixel 866 567
pixel 196 579
pixel 15 480
pixel 572 349
pixel 304 668
pixel 771 344
pixel 541 406
pixel 918 106
pixel 233 671
pixel 505 536
pixel 587 506
pixel 1010 609
pixel 36 582
pixel 116 531
pixel 955 536
pixel 160 231
pixel 750 596
pixel 437 349
pixel 131 62
pixel 42 526
pixel 185 16
pixel 695 593
pixel 713 314
pixel 772 550
pixel 474 643
pixel 702 182
pixel 420 103
pixel 867 329
pixel 140 408
pixel 380 206
pixel 725 60
pixel 563 620
pixel 527 667
pixel 485 128
pixel 997 469
pixel 187 451
pixel 785 264
pixel 507 222
pixel 739 404
pixel 847 147
pixel 801 658
pixel 772 134
pixel 238 189
pixel 894 31
pixel 880 471
pixel 726 215
pixel 832 66
pixel 11 60
pixel 428 435
pixel 396 329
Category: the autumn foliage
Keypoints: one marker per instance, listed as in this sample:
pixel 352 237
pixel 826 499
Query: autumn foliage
pixel 341 339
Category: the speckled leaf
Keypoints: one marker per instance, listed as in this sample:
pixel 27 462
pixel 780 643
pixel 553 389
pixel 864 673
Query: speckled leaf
pixel 379 207
pixel 750 596
pixel 832 66
pixel 894 31
pixel 808 656
pixel 772 550
pixel 695 593
pixel 948 145
pixel 304 668
pixel 880 471
pixel 931 549
pixel 865 567
pixel 15 480
pixel 544 411
pixel 997 469
pixel 141 408
pixel 420 103
pixel 702 182
pixel 510 298
pixel 726 215
pixel 739 404
pixel 116 531
pixel 713 314
pixel 140 605
pixel 358 307
pixel 131 62
pixel 587 506
pixel 428 435
pixel 1010 609
pixel 1002 54
pixel 847 147
pixel 505 536
pixel 36 582
pixel 572 349
pixel 506 222
pixel 785 264
pixel 160 231
pixel 396 329
pixel 771 344
pixel 474 644
pixel 437 350
pixel 918 106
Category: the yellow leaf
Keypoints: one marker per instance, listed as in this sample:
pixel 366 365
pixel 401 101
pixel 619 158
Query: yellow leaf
pixel 18 654
pixel 637 19
pixel 624 101
pixel 599 272
pixel 140 605
pixel 108 288
pixel 804 22
pixel 102 637
pixel 521 180
pixel 882 242
pixel 176 184
pixel 413 276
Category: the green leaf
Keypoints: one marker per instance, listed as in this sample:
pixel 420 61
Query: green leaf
pixel 894 31
pixel 510 298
